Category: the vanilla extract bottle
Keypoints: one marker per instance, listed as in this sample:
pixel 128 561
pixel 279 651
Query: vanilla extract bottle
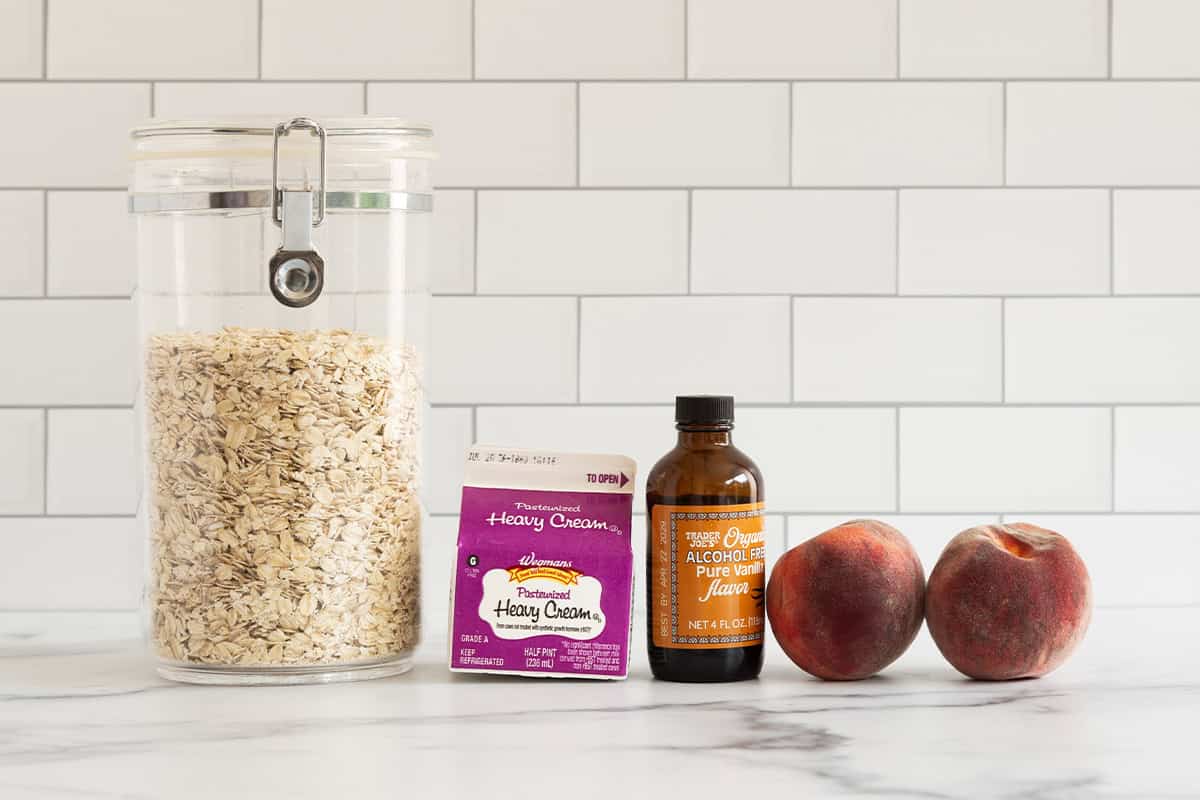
pixel 705 554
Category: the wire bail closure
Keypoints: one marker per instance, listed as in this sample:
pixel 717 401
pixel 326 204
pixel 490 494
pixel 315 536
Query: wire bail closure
pixel 296 273
pixel 281 130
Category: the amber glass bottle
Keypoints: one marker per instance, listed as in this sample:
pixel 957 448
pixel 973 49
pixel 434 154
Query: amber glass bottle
pixel 705 551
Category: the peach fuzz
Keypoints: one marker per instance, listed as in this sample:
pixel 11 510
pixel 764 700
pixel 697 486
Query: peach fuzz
pixel 1008 601
pixel 845 604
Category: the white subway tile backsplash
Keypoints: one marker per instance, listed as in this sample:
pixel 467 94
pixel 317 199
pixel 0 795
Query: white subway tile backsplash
pixel 582 242
pixel 22 469
pixel 21 39
pixel 636 349
pixel 810 458
pixel 152 39
pixel 1155 39
pixel 771 241
pixel 1124 554
pixel 91 245
pixel 450 433
pixel 1156 241
pixel 1004 459
pixel 69 134
pixel 504 350
pixel 22 227
pixel 1158 459
pixel 1003 39
pixel 91 461
pixel 673 134
pixel 490 134
pixel 453 261
pixel 65 563
pixel 644 433
pixel 1102 350
pixel 366 39
pixel 1004 241
pixel 896 350
pixel 720 197
pixel 1097 134
pixel 439 544
pixel 581 39
pixel 883 134
pixel 67 352
pixel 821 459
pixel 792 39
pixel 284 100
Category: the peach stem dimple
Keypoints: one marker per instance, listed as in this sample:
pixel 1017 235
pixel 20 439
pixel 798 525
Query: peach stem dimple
pixel 1018 547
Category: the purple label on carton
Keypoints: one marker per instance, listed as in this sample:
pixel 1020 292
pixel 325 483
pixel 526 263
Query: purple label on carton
pixel 543 578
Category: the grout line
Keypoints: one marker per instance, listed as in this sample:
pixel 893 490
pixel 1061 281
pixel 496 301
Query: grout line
pixel 365 93
pixel 686 55
pixel 47 296
pixel 68 516
pixel 260 39
pixel 791 350
pixel 578 129
pixel 1112 459
pixel 475 244
pixel 810 405
pixel 896 247
pixel 474 426
pixel 786 533
pixel 45 243
pixel 731 296
pixel 791 134
pixel 472 35
pixel 45 39
pixel 688 246
pixel 1110 39
pixel 1112 241
pixel 1003 352
pixel 896 502
pixel 578 350
pixel 1181 187
pixel 153 97
pixel 62 407
pixel 782 78
pixel 1004 133
pixel 899 11
pixel 815 296
pixel 45 461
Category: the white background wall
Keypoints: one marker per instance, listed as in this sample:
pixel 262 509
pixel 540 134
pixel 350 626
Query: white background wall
pixel 946 254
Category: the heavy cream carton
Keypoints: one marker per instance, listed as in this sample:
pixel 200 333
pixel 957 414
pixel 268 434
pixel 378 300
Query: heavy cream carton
pixel 543 574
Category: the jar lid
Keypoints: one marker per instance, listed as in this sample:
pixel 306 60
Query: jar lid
pixel 259 125
pixel 244 162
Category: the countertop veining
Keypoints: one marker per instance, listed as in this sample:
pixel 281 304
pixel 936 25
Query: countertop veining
pixel 82 715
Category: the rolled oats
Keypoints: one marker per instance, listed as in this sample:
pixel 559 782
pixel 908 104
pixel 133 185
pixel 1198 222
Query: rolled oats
pixel 283 511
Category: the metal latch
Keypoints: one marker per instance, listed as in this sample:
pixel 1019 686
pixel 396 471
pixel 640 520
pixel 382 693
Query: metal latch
pixel 296 273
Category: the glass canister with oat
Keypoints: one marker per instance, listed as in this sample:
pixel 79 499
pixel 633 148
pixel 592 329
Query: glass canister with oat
pixel 283 299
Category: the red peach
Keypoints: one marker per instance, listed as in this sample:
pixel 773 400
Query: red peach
pixel 845 604
pixel 1008 601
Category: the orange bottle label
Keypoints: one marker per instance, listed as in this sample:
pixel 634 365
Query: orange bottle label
pixel 707 576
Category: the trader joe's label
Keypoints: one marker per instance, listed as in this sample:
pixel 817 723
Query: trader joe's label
pixel 708 574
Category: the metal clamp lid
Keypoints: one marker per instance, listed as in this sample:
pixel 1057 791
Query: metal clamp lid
pixel 283 129
pixel 296 273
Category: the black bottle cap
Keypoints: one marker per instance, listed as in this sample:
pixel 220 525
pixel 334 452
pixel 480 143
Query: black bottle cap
pixel 704 409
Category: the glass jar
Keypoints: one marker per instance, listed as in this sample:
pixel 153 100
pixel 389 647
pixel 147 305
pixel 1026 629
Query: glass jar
pixel 283 298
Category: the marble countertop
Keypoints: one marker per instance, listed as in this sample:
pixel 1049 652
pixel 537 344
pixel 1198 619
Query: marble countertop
pixel 82 715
